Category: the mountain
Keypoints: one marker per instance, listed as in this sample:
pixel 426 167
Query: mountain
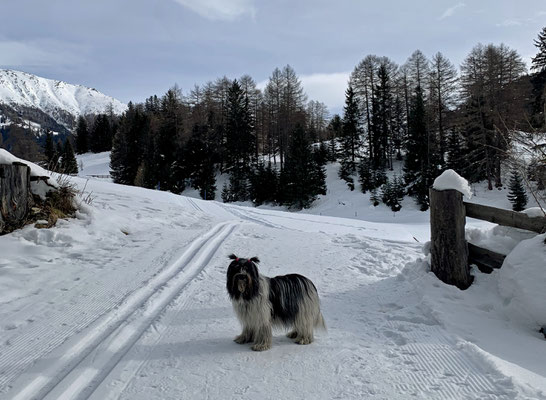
pixel 47 102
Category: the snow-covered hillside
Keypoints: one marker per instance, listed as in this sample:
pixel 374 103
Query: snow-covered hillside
pixel 128 301
pixel 55 98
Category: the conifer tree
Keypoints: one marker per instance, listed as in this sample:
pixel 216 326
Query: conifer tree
pixel 517 194
pixel 456 159
pixel 365 176
pixel 350 137
pixel 167 143
pixel 374 197
pixel 264 184
pixel 420 164
pixel 198 163
pixel 49 150
pixel 82 136
pixel 538 62
pixel 69 163
pixel 119 159
pixel 299 186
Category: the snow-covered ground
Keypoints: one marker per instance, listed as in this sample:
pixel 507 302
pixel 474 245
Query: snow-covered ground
pixel 128 301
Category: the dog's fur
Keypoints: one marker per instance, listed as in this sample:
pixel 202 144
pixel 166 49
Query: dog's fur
pixel 261 303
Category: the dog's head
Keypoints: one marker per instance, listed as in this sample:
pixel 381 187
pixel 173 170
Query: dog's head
pixel 243 279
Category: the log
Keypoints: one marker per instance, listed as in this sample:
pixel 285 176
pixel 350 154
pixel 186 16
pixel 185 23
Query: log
pixel 486 260
pixel 505 217
pixel 15 196
pixel 449 251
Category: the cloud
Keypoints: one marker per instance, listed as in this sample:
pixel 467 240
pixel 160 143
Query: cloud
pixel 509 22
pixel 326 88
pixel 450 11
pixel 226 10
pixel 42 53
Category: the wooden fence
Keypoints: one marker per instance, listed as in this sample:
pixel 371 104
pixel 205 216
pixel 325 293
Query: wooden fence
pixel 451 255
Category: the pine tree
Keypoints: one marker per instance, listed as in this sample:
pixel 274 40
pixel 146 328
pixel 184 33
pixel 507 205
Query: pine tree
pixel 365 175
pixel 374 197
pixel 57 161
pixel 299 179
pixel 226 197
pixel 69 163
pixel 517 194
pixel 346 171
pixel 264 184
pixel 49 150
pixel 168 138
pixel 457 158
pixel 350 126
pixel 101 134
pixel 82 136
pixel 538 62
pixel 118 159
pixel 198 163
pixel 392 193
pixel 420 166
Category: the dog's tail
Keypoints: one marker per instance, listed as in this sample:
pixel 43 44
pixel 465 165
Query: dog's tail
pixel 319 322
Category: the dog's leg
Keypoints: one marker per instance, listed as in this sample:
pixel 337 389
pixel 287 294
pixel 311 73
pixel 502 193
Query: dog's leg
pixel 292 334
pixel 304 329
pixel 263 339
pixel 244 337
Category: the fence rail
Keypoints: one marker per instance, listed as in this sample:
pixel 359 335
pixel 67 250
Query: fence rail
pixel 505 217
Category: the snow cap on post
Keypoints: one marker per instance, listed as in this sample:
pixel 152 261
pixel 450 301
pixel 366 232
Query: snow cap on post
pixel 449 179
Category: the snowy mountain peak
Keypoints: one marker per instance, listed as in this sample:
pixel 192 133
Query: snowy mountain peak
pixel 60 100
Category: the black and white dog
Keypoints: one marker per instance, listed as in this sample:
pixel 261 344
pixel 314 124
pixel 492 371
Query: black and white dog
pixel 261 303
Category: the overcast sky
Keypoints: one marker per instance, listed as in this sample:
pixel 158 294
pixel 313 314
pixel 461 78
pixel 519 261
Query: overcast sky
pixel 131 49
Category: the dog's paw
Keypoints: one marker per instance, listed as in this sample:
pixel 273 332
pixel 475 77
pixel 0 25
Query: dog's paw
pixel 261 347
pixel 304 340
pixel 241 339
pixel 292 335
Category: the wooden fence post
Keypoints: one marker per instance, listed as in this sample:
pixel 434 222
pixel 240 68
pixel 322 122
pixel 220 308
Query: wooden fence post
pixel 449 251
pixel 15 196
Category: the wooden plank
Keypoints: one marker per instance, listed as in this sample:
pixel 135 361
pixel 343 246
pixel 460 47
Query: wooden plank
pixel 448 250
pixel 505 217
pixel 486 260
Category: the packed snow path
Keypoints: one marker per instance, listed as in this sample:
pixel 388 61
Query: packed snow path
pixel 129 302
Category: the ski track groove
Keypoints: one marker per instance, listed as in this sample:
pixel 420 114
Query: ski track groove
pixel 19 354
pixel 114 317
pixel 436 359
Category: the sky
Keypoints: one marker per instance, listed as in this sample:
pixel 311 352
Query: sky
pixel 131 49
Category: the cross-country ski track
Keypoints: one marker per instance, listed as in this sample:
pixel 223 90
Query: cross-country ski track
pixel 167 333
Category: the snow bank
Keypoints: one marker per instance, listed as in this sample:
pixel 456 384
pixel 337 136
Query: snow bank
pixel 35 170
pixel 522 280
pixel 452 180
pixel 534 212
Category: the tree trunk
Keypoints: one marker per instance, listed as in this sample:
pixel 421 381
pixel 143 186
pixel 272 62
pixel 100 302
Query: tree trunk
pixel 15 196
pixel 449 252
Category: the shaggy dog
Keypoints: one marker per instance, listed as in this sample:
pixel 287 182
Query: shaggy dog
pixel 261 303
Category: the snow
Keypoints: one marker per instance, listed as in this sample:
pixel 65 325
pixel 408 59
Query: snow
pixel 55 98
pixel 128 301
pixel 534 212
pixel 522 280
pixel 40 187
pixel 94 165
pixel 450 180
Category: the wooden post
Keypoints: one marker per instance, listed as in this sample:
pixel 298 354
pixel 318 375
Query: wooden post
pixel 15 196
pixel 449 251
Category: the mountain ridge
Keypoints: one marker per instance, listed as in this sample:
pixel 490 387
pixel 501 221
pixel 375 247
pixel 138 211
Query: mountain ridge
pixel 62 101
